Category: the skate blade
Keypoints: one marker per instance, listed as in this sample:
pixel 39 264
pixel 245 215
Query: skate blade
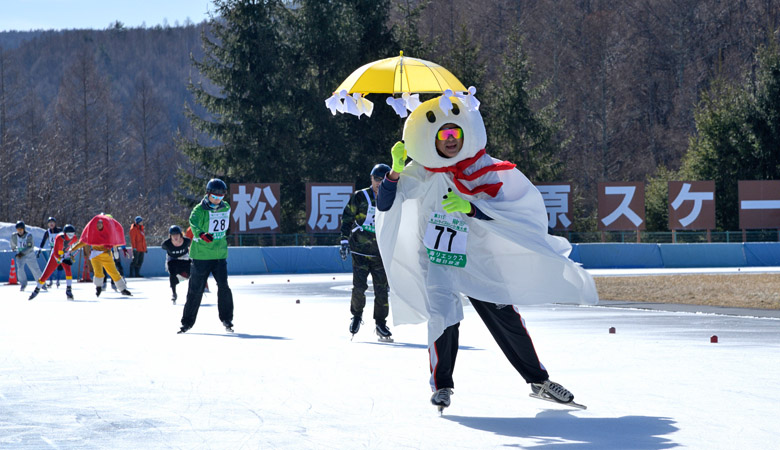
pixel 552 400
pixel 385 339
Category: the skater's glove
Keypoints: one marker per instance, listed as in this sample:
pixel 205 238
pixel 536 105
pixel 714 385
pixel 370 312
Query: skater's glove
pixel 126 253
pixel 454 203
pixel 398 153
pixel 344 250
pixel 208 237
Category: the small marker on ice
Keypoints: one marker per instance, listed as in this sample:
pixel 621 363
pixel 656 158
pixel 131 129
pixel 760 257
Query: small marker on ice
pixel 611 330
pixel 714 339
pixel 297 300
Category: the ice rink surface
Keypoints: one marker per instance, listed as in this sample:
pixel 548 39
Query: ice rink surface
pixel 111 373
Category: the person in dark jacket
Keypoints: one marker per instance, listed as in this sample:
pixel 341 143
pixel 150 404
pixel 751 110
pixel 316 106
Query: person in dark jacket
pixel 358 236
pixel 47 243
pixel 177 250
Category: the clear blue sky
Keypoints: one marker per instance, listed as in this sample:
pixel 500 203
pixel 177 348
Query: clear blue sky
pixel 97 14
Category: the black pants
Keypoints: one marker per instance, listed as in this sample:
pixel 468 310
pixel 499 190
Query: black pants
pixel 201 268
pixel 509 331
pixel 135 265
pixel 178 267
pixel 361 267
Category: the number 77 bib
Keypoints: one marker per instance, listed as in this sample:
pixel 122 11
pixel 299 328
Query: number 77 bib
pixel 218 223
pixel 445 240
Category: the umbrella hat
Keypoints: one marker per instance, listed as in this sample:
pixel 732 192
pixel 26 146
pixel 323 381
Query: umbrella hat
pixel 401 74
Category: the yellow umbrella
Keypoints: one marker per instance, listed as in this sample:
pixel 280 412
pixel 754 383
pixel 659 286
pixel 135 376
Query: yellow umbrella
pixel 399 75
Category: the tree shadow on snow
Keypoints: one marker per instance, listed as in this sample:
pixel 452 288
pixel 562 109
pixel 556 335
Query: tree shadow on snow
pixel 244 336
pixel 560 429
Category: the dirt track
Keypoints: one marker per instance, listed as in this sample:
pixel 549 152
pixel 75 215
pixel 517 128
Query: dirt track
pixel 730 290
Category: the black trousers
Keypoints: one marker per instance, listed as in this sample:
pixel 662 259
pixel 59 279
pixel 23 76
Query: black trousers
pixel 135 264
pixel 201 268
pixel 362 266
pixel 178 267
pixel 507 328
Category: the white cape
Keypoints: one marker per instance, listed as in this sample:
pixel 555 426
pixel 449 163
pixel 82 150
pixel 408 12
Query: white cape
pixel 511 260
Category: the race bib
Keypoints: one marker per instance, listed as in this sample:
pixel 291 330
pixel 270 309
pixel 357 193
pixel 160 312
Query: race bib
pixel 218 223
pixel 368 224
pixel 445 239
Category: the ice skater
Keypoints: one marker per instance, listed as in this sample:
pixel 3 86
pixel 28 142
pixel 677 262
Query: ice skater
pixel 358 236
pixel 177 258
pixel 457 222
pixel 209 221
pixel 103 233
pixel 59 259
pixel 22 244
pixel 47 243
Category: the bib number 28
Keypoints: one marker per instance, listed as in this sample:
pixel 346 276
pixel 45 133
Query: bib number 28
pixel 218 224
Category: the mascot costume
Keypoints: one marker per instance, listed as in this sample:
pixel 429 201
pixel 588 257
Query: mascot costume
pixel 433 258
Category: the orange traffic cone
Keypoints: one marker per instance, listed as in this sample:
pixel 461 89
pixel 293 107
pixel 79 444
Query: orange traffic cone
pixel 12 276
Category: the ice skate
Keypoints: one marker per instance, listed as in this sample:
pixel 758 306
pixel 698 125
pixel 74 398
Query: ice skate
pixel 554 392
pixel 44 288
pixel 441 398
pixel 22 288
pixel 50 282
pixel 173 298
pixel 354 325
pixel 58 283
pixel 98 290
pixel 383 332
pixel 228 326
pixel 126 293
pixel 183 330
pixel 34 293
pixel 69 293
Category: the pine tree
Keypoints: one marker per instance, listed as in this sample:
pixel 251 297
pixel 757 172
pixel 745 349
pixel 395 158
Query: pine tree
pixel 246 126
pixel 737 135
pixel 516 131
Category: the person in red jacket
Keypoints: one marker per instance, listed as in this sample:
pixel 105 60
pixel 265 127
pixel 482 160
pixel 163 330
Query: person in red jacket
pixel 60 258
pixel 138 242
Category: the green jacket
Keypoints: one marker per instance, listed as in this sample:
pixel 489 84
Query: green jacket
pixel 361 235
pixel 205 219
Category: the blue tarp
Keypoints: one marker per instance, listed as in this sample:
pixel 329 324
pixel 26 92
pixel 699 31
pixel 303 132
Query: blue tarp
pixel 702 255
pixel 612 256
pixel 262 260
pixel 762 253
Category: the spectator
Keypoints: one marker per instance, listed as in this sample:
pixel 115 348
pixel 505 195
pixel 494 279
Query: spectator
pixel 138 242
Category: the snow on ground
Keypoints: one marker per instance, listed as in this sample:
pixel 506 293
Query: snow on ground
pixel 111 373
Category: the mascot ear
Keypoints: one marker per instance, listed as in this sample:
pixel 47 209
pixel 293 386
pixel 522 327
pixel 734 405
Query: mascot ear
pixel 431 116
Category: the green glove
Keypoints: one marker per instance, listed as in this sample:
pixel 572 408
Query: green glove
pixel 454 203
pixel 399 156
